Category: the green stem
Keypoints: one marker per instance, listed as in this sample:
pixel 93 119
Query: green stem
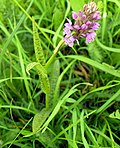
pixel 47 101
pixel 104 23
pixel 49 62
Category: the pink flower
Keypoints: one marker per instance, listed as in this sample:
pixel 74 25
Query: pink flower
pixel 76 27
pixel 69 41
pixel 67 31
pixel 74 15
pixel 96 15
pixel 95 26
pixel 90 37
pixel 84 27
pixel 88 23
pixel 69 24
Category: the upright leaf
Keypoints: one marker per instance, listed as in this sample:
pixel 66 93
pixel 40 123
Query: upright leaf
pixel 37 45
pixel 45 86
pixel 58 15
pixel 54 77
pixel 44 80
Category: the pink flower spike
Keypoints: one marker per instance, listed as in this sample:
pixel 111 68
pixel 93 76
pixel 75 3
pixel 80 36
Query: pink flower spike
pixel 85 7
pixel 83 25
pixel 74 15
pixel 71 41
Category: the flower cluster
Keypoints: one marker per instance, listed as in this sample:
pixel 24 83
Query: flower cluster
pixel 84 25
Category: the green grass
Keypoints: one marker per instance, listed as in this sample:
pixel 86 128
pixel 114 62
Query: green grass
pixel 51 99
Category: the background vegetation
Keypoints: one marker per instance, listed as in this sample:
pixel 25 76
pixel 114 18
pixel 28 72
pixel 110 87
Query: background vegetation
pixel 85 79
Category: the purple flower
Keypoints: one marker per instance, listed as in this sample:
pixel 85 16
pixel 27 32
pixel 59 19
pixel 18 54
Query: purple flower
pixel 96 15
pixel 76 27
pixel 88 23
pixel 82 15
pixel 83 26
pixel 69 24
pixel 69 21
pixel 90 37
pixel 67 31
pixel 95 26
pixel 69 41
pixel 74 15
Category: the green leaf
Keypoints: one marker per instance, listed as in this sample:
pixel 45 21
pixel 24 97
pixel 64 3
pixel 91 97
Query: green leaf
pixel 39 119
pixel 95 52
pixel 58 15
pixel 104 67
pixel 45 85
pixel 85 143
pixel 54 77
pixel 77 5
pixel 26 133
pixel 37 45
pixel 46 137
pixel 116 58
pixel 44 80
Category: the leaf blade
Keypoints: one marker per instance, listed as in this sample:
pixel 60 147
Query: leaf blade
pixel 37 45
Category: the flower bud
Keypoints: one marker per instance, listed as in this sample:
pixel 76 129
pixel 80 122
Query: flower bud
pixel 89 8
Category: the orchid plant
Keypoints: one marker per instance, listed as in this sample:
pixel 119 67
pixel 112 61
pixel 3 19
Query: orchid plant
pixel 84 26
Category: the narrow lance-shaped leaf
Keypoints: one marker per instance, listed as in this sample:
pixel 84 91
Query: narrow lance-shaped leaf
pixel 54 77
pixel 37 45
pixel 39 119
pixel 45 85
pixel 58 15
